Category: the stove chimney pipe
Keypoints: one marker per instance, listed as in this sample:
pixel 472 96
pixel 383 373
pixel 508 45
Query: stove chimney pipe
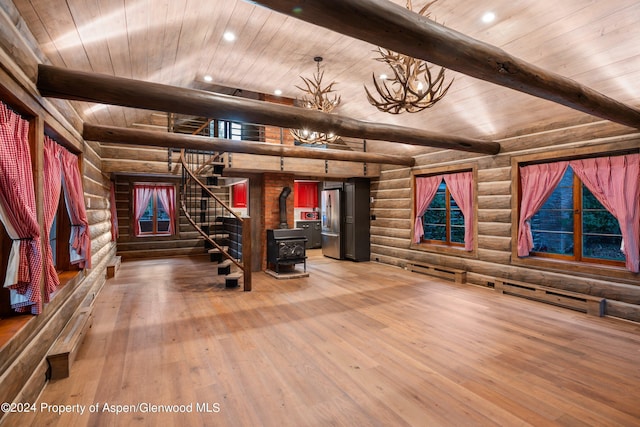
pixel 283 207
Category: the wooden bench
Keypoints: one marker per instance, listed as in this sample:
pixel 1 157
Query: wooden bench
pixel 63 352
pixel 455 274
pixel 582 302
pixel 113 266
pixel 232 280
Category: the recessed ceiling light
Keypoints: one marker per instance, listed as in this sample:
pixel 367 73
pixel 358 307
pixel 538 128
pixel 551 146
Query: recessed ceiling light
pixel 229 36
pixel 277 92
pixel 208 78
pixel 488 17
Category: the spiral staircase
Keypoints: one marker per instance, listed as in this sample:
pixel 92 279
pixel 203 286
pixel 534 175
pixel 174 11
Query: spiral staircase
pixel 226 235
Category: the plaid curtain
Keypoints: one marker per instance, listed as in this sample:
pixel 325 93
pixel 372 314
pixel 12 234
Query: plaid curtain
pixel 18 213
pixel 52 185
pixel 80 241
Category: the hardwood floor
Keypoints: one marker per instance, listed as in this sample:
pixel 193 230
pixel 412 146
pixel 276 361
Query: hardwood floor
pixel 354 344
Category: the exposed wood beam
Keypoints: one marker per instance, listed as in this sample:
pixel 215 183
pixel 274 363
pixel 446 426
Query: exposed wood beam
pixel 82 86
pixel 394 27
pixel 174 140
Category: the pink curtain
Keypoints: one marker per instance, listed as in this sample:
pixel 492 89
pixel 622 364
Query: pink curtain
pixel 537 182
pixel 52 172
pixel 166 195
pixel 142 195
pixel 80 241
pixel 114 212
pixel 426 189
pixel 18 213
pixel 615 182
pixel 460 186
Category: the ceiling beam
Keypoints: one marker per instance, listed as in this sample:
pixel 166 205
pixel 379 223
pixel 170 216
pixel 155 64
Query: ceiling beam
pixel 174 140
pixel 82 86
pixel 389 25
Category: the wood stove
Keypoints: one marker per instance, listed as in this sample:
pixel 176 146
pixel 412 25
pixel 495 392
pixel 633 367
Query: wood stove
pixel 286 246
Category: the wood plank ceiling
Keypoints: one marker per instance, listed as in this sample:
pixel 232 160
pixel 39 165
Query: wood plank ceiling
pixel 178 42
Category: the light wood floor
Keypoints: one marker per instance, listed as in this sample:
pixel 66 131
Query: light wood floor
pixel 354 344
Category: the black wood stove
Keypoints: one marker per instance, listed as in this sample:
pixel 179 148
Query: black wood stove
pixel 286 246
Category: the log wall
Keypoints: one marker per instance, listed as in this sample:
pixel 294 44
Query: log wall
pixel 185 242
pixel 494 256
pixel 23 367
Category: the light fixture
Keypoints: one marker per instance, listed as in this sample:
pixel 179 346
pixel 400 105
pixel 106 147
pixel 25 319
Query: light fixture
pixel 316 98
pixel 208 78
pixel 488 17
pixel 229 36
pixel 277 92
pixel 412 87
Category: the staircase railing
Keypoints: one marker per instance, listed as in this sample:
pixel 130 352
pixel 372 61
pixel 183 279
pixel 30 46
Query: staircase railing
pixel 224 231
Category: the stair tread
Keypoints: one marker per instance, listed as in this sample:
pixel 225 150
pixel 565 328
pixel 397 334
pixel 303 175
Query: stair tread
pixel 216 250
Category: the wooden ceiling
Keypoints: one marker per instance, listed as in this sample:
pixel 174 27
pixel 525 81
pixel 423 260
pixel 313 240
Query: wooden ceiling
pixel 178 42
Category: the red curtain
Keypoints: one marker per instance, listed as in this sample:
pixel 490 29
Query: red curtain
pixel 167 197
pixel 142 194
pixel 80 241
pixel 18 213
pixel 426 189
pixel 114 212
pixel 538 183
pixel 305 194
pixel 615 182
pixel 52 185
pixel 460 186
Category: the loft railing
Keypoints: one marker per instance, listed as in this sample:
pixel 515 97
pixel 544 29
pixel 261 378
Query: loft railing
pixel 251 132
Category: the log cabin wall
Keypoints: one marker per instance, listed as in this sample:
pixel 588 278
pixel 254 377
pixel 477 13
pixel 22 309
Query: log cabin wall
pixel 184 242
pixel 27 338
pixel 391 231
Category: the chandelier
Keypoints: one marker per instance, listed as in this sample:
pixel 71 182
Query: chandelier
pixel 316 98
pixel 413 87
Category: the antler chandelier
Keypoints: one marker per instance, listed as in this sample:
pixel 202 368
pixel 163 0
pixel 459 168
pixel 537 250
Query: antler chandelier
pixel 413 87
pixel 316 98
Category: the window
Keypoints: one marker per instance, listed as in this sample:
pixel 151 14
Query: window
pixel 573 225
pixel 226 129
pixel 59 235
pixel 581 210
pixel 443 221
pixel 154 206
pixel 445 210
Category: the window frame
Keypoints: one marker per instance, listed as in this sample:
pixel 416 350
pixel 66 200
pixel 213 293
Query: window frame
pixel 62 255
pixel 447 223
pixel 437 246
pixel 155 201
pixel 578 236
pixel 627 146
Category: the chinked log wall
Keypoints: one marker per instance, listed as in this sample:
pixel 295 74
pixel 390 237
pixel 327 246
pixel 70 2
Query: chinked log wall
pixel 393 204
pixel 23 365
pixel 186 242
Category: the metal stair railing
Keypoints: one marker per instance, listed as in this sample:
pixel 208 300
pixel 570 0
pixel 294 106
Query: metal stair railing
pixel 223 230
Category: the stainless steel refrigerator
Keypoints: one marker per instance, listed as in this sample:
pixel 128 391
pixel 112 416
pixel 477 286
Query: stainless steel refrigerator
pixel 331 218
